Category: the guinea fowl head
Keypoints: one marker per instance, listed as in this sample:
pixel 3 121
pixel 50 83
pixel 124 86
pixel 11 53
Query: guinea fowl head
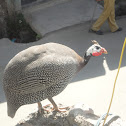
pixel 95 50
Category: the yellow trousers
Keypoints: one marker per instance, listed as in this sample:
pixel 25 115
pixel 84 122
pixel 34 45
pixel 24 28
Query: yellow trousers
pixel 107 14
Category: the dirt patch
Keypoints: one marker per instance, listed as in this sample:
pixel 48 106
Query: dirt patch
pixel 15 26
pixel 19 30
pixel 46 119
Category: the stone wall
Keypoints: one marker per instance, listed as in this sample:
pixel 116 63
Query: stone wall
pixel 3 14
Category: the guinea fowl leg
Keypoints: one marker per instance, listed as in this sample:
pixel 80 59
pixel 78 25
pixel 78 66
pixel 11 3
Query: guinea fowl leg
pixel 54 104
pixel 39 107
pixel 56 107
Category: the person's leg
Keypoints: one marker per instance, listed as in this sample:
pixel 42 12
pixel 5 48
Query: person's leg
pixel 103 17
pixel 111 19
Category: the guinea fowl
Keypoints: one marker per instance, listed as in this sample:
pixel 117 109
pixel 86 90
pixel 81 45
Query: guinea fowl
pixel 41 72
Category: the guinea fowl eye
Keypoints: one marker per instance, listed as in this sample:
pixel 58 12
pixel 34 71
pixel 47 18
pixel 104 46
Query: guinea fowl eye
pixel 97 47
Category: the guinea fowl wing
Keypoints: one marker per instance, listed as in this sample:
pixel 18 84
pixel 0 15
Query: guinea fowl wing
pixel 30 72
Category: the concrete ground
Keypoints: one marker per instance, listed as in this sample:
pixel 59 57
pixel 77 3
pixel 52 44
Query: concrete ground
pixel 93 84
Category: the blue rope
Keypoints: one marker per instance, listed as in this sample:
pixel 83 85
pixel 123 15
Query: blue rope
pixel 100 119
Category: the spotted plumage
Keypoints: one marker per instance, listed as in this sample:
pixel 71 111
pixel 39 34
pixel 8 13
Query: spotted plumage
pixel 39 72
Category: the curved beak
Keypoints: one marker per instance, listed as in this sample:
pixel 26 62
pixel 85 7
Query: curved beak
pixel 104 51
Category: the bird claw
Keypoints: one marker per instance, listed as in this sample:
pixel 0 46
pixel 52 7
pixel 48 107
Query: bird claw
pixel 50 108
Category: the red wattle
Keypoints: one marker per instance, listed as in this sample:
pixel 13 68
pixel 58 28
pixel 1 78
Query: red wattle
pixel 96 53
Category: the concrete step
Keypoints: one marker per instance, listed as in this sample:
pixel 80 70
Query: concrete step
pixel 41 4
pixel 58 14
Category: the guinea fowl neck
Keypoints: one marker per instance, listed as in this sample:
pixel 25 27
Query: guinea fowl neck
pixel 84 61
pixel 86 58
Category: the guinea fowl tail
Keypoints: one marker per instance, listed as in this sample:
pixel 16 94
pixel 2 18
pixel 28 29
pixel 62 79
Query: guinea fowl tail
pixel 11 110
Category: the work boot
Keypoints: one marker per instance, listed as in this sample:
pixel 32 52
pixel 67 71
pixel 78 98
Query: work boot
pixel 119 29
pixel 99 32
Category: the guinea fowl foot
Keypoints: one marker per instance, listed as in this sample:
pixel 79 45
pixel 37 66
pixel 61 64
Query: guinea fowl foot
pixel 61 108
pixel 54 106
